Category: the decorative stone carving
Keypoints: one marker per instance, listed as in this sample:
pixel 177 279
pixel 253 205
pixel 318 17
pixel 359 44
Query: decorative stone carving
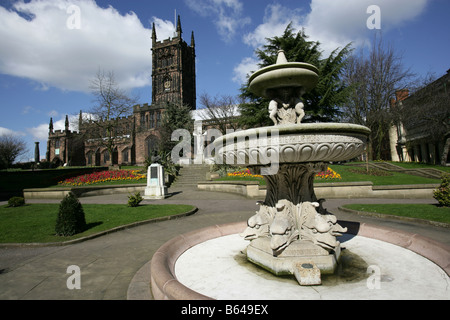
pixel 320 229
pixel 292 144
pixel 294 222
pixel 286 106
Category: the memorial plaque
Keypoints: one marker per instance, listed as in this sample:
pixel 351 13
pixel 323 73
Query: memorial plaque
pixel 153 173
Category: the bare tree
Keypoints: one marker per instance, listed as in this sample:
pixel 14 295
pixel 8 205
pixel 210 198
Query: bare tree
pixel 10 148
pixel 221 112
pixel 375 78
pixel 111 112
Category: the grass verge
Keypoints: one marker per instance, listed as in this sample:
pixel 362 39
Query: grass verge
pixel 35 223
pixel 355 174
pixel 358 174
pixel 429 212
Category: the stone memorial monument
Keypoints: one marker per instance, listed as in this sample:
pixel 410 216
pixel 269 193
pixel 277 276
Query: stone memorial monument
pixel 156 188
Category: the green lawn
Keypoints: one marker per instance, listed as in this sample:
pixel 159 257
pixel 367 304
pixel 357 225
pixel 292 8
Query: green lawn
pixel 356 174
pixel 36 222
pixel 416 165
pixel 419 211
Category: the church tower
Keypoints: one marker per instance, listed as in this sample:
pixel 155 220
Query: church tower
pixel 173 70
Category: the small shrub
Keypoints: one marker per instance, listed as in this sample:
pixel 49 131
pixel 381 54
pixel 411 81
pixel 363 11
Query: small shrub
pixel 442 194
pixel 135 200
pixel 16 202
pixel 71 219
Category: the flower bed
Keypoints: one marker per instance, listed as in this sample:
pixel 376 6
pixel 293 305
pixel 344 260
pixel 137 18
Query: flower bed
pixel 244 174
pixel 330 174
pixel 102 177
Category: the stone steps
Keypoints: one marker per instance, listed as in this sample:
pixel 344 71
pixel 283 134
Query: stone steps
pixel 190 175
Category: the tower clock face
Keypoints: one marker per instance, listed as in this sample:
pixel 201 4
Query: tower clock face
pixel 167 85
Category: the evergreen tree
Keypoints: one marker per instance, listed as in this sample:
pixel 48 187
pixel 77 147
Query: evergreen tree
pixel 71 219
pixel 322 104
pixel 175 116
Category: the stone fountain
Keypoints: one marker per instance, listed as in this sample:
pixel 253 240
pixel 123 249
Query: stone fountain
pixel 291 233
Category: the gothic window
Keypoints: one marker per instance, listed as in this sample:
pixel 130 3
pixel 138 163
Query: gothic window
pixel 106 157
pixel 90 158
pixel 126 155
pixel 142 117
pixel 151 145
pixel 152 119
pixel 158 118
pixel 57 146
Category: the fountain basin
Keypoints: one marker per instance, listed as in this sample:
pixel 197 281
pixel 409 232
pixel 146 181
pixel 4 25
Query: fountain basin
pixel 166 285
pixel 289 74
pixel 292 143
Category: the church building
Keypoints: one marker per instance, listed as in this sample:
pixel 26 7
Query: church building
pixel 173 81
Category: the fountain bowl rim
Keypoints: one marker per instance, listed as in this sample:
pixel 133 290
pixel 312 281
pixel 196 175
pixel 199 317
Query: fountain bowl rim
pixel 305 128
pixel 288 65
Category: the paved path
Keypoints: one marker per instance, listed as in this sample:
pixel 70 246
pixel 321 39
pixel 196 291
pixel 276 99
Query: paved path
pixel 109 263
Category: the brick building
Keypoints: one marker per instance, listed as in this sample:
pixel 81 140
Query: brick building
pixel 173 81
pixel 423 133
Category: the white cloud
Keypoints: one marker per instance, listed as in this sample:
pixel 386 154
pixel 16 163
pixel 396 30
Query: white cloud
pixel 9 132
pixel 246 67
pixel 40 132
pixel 275 21
pixel 334 23
pixel 41 42
pixel 227 15
pixel 164 29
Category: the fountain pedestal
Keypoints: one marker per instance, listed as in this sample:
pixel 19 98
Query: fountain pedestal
pixel 291 233
pixel 301 258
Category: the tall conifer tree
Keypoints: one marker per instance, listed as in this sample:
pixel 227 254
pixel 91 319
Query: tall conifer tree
pixel 321 104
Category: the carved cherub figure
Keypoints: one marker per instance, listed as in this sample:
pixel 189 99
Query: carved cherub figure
pixel 299 110
pixel 289 100
pixel 273 111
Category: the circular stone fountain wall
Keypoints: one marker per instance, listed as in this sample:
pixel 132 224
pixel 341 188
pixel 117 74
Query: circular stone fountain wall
pixel 428 270
pixel 431 259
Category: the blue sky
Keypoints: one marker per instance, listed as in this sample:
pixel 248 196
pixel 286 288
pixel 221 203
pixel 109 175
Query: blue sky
pixel 51 49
